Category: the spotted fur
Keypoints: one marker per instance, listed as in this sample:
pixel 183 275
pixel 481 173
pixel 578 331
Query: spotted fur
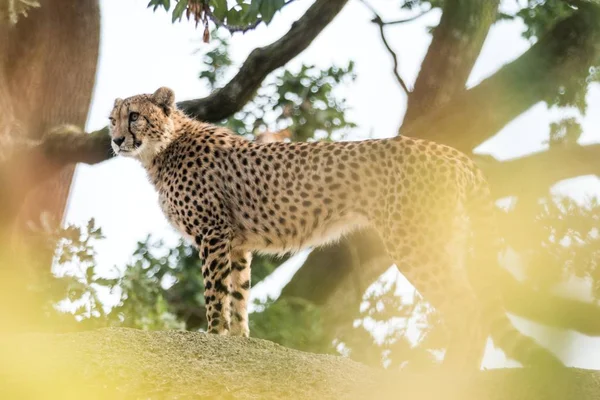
pixel 429 203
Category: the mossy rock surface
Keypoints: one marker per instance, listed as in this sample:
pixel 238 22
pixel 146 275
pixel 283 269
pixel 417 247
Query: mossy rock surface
pixel 129 363
pixel 133 364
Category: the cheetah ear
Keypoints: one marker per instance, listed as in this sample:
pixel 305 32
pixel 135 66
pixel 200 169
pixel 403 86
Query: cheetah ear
pixel 165 99
pixel 118 102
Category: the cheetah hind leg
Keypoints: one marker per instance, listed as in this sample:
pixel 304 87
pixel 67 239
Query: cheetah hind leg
pixel 240 280
pixel 431 261
pixel 467 336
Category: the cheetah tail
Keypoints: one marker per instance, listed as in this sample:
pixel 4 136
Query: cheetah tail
pixel 487 244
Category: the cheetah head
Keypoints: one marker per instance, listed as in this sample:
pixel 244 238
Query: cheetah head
pixel 141 126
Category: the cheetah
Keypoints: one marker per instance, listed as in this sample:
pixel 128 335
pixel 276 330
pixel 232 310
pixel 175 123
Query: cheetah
pixel 429 203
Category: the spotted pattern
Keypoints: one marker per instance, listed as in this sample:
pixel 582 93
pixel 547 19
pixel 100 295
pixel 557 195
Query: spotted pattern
pixel 428 202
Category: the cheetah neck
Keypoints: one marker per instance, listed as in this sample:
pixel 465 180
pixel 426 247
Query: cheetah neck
pixel 182 126
pixel 177 126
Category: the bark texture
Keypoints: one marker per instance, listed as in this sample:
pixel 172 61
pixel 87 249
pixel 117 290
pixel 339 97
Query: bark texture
pixel 47 74
pixel 454 49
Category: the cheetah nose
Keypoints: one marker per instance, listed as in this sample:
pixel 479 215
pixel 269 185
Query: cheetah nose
pixel 119 141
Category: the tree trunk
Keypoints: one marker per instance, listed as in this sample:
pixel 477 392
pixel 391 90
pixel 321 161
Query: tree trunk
pixel 47 73
pixel 455 46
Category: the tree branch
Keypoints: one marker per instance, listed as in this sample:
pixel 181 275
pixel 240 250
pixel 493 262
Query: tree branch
pixel 262 61
pixel 535 173
pixel 551 310
pixel 405 20
pixel 565 53
pixel 454 48
pixel 34 162
pixel 72 147
pixel 377 20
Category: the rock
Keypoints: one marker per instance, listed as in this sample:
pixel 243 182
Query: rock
pixel 132 364
pixel 128 363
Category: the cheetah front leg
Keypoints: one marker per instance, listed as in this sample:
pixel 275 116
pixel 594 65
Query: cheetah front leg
pixel 240 279
pixel 216 270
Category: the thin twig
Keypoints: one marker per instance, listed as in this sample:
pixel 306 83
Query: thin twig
pixel 381 25
pixel 235 28
pixel 402 21
pixel 394 57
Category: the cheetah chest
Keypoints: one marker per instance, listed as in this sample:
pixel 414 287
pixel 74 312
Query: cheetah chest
pixel 169 209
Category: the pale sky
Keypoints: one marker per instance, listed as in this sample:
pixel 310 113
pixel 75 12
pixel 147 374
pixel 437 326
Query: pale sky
pixel 142 50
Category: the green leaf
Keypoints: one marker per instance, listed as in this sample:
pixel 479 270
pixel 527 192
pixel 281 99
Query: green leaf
pixel 219 8
pixel 268 8
pixel 106 282
pixel 234 17
pixel 243 10
pixel 252 12
pixel 179 9
pixel 166 4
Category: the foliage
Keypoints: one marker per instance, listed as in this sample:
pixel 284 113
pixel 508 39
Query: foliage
pixel 216 61
pixel 76 260
pixel 539 16
pixel 565 132
pixel 74 279
pixel 420 4
pixel 144 287
pixel 561 241
pixel 166 291
pixel 291 322
pixel 401 325
pixel 303 101
pixel 241 13
pixel 306 102
pixel 161 288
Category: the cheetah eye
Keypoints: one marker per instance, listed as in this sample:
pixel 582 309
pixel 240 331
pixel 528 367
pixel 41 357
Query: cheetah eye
pixel 133 116
pixel 112 121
